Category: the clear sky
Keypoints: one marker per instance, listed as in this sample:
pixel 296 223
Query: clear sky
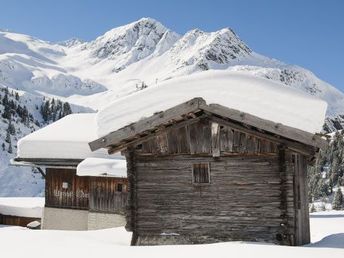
pixel 309 33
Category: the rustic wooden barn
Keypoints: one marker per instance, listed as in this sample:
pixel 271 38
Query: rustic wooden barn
pixel 77 202
pixel 203 173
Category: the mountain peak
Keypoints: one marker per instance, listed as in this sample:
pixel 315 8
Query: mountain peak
pixel 133 42
pixel 71 42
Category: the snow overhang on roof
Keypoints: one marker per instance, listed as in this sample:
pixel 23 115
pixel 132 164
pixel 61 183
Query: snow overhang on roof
pixel 60 143
pixel 254 98
pixel 128 135
pixel 103 167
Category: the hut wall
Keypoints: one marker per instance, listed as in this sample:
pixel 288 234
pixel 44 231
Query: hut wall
pixel 108 195
pixel 250 195
pixel 63 189
pixel 99 194
pixel 242 202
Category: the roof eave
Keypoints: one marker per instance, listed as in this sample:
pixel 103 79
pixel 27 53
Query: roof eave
pixel 199 104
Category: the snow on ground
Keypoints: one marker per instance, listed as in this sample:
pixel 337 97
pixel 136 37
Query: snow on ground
pixel 246 93
pixel 327 241
pixel 327 229
pixel 67 138
pixel 102 167
pixel 31 207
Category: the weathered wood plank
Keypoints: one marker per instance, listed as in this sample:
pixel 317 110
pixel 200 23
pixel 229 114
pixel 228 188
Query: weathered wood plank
pixel 269 126
pixel 149 123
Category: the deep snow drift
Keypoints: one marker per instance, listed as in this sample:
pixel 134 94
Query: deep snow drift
pixel 31 207
pixel 103 167
pixel 246 93
pixel 326 229
pixel 67 138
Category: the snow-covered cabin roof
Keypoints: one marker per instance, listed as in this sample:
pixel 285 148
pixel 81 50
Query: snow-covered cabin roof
pixel 255 102
pixel 102 167
pixel 66 138
pixel 31 207
pixel 256 96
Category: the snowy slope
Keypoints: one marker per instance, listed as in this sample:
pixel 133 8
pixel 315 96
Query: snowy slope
pixel 128 59
pixel 326 233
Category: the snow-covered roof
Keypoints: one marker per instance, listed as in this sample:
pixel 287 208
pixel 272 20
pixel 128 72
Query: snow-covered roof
pixel 102 167
pixel 66 138
pixel 257 96
pixel 31 207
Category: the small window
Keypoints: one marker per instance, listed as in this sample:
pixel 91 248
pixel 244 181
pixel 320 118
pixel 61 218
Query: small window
pixel 64 185
pixel 119 187
pixel 201 173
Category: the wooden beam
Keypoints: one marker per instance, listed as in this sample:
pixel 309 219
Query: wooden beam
pixel 35 162
pixel 41 171
pixel 151 122
pixel 298 147
pixel 215 139
pixel 148 136
pixel 266 125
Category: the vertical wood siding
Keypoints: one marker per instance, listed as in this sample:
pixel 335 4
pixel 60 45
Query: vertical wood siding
pixel 75 196
pixel 98 194
pixel 105 196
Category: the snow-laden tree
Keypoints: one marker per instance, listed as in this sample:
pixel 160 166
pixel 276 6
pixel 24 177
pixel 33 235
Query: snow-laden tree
pixel 338 200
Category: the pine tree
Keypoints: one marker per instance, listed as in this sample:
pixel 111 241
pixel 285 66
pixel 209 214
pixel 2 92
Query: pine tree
pixel 66 109
pixel 312 208
pixel 3 146
pixel 11 129
pixel 16 96
pixel 10 150
pixel 7 111
pixel 8 137
pixel 338 200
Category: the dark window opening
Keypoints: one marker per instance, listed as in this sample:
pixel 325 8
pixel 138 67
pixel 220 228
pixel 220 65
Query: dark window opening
pixel 201 173
pixel 119 187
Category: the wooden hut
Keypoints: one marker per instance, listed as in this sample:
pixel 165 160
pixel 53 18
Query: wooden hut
pixel 75 201
pixel 203 173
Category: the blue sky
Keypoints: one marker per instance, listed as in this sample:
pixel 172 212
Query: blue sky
pixel 309 33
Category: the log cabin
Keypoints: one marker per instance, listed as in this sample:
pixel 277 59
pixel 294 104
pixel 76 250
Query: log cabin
pixel 83 189
pixel 204 173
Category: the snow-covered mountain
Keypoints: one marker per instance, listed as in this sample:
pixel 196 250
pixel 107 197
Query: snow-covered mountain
pixel 130 58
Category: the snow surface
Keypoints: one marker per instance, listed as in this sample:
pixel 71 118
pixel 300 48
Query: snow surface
pixel 31 207
pixel 327 230
pixel 102 167
pixel 246 93
pixel 66 138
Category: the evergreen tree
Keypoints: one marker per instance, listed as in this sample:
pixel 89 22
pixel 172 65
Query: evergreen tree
pixel 66 109
pixel 8 137
pixel 337 203
pixel 7 111
pixel 10 150
pixel 3 146
pixel 11 129
pixel 16 96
